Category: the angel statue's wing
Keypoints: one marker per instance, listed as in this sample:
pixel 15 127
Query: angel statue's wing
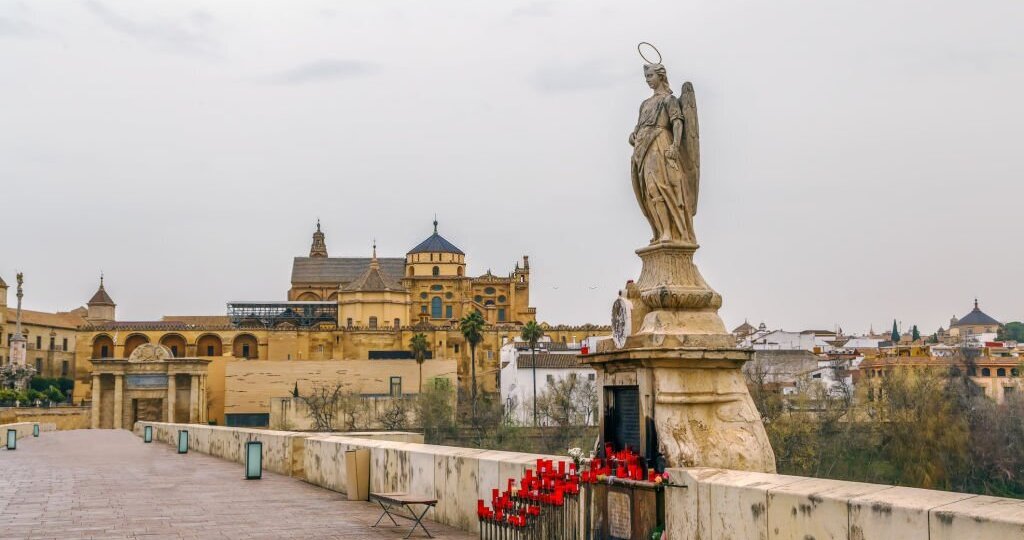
pixel 691 142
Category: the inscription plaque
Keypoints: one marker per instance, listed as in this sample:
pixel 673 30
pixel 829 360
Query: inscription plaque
pixel 620 519
pixel 147 381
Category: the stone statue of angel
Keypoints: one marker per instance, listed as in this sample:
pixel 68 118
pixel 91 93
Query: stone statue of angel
pixel 666 158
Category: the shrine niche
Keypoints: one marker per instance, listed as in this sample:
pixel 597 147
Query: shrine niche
pixel 150 385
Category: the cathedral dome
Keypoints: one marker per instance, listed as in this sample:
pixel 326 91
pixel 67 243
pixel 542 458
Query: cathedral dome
pixel 436 243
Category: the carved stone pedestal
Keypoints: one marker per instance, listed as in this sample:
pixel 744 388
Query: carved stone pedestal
pixel 672 363
pixel 694 404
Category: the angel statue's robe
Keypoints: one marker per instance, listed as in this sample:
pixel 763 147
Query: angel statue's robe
pixel 658 174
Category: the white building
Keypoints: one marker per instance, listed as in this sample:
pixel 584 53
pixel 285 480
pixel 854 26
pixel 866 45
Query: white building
pixel 554 362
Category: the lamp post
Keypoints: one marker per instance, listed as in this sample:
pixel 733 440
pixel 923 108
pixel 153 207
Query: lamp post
pixel 253 460
pixel 183 441
pixel 35 430
pixel 147 434
pixel 12 439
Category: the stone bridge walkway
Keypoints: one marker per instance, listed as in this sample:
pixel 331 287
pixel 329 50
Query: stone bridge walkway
pixel 108 484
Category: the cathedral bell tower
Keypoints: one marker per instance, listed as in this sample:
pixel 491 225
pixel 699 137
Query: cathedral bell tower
pixel 319 247
pixel 101 306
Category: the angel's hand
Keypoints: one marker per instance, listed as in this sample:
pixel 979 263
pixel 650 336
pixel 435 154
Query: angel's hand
pixel 672 152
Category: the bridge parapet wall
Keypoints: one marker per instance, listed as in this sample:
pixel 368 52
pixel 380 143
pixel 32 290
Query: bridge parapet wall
pixel 700 503
pixel 717 503
pixel 23 429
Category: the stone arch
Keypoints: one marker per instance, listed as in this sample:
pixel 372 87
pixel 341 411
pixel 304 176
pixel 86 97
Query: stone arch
pixel 246 346
pixel 132 341
pixel 103 346
pixel 209 345
pixel 174 343
pixel 309 297
pixel 333 297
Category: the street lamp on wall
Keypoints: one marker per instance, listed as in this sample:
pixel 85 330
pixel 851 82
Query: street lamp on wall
pixel 253 460
pixel 183 441
pixel 147 434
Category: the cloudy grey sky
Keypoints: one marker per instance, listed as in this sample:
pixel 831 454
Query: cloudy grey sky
pixel 861 158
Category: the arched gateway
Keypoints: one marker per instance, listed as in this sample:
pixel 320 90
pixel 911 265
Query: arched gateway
pixel 150 385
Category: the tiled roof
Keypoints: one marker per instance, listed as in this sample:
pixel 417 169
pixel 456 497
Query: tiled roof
pixel 374 279
pixel 547 360
pixel 340 270
pixel 41 318
pixel 976 316
pixel 436 244
pixel 101 297
pixel 198 320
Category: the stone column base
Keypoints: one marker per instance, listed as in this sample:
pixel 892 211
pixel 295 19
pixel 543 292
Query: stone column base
pixel 702 413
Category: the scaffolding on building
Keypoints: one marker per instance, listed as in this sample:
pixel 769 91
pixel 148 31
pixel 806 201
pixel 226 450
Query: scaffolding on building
pixel 275 314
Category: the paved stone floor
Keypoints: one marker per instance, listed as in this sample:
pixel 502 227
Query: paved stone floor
pixel 108 484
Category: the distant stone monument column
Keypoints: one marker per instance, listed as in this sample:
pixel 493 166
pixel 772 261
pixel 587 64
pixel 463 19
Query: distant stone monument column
pixel 18 344
pixel 670 348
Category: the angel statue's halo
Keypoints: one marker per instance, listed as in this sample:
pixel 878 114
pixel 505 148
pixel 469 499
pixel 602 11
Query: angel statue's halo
pixel 641 51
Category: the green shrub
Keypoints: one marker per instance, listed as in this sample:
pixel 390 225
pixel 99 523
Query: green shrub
pixel 54 394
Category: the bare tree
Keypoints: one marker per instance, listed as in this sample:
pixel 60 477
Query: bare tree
pixel 323 402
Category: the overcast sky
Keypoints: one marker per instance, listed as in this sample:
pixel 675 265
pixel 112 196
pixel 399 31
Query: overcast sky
pixel 861 159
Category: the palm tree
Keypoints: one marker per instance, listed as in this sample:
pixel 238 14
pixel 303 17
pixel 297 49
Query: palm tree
pixel 472 326
pixel 532 333
pixel 419 347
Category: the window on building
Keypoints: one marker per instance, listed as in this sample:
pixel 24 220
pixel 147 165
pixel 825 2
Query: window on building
pixel 423 295
pixel 435 307
pixel 502 299
pixel 373 322
pixel 459 271
pixel 348 322
pixel 448 311
pixel 1001 372
pixel 423 308
pixel 53 343
pixel 65 344
pixel 398 323
pixel 39 366
pixel 436 287
pixel 104 352
pixel 396 386
pixel 209 350
pixel 39 342
pixel 456 348
pixel 435 271
pixel 174 351
pixel 591 376
pixel 986 372
pixel 1015 372
pixel 551 379
pixel 245 351
pixel 489 290
pixel 478 299
pixel 64 368
pixel 490 355
pixel 1007 390
pixel 448 295
pixel 501 314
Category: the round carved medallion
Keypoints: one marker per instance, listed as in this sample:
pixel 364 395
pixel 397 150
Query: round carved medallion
pixel 150 352
pixel 622 321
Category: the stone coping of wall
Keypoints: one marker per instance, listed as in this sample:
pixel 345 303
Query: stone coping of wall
pixel 457 477
pixel 719 503
pixel 23 429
